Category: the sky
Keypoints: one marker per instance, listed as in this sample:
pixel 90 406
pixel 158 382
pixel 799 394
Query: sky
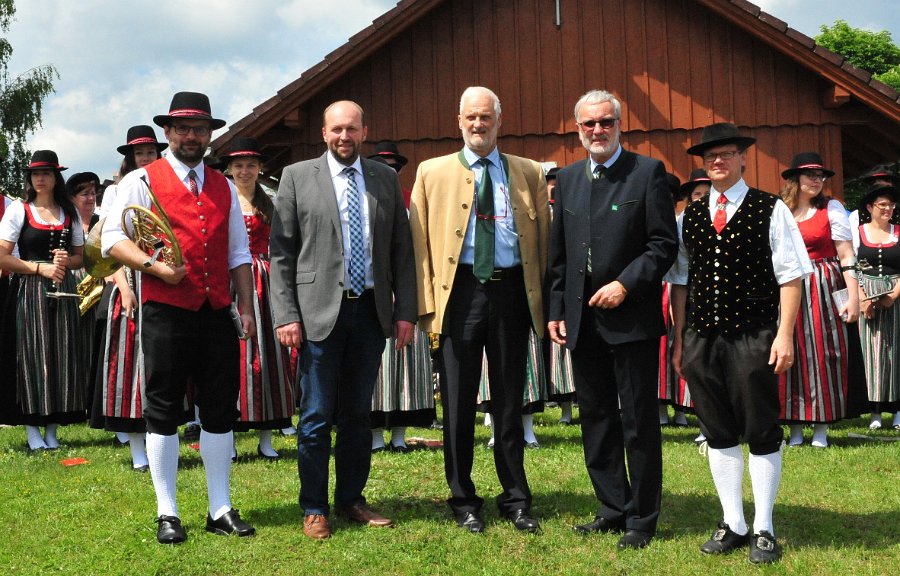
pixel 120 61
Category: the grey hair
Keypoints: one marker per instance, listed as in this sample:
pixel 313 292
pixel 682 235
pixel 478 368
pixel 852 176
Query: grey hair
pixel 479 90
pixel 598 97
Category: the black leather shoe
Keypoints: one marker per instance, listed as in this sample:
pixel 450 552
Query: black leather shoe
pixel 472 522
pixel 523 520
pixel 764 548
pixel 634 539
pixel 142 469
pixel 229 523
pixel 724 540
pixel 170 530
pixel 599 524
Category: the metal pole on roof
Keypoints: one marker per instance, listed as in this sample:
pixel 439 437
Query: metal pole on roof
pixel 558 15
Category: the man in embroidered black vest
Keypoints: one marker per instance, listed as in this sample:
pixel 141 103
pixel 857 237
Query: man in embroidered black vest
pixel 612 240
pixel 186 328
pixel 742 256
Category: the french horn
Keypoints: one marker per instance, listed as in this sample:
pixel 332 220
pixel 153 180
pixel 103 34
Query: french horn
pixel 151 232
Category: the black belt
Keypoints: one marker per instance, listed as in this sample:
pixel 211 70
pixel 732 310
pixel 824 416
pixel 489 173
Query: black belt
pixel 498 273
pixel 350 295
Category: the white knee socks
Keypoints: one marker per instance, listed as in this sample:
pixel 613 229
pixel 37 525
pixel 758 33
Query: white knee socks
pixel 528 427
pixel 35 440
pixel 215 450
pixel 162 452
pixel 377 439
pixel 50 435
pixel 138 451
pixel 265 444
pixel 765 473
pixel 398 437
pixel 727 467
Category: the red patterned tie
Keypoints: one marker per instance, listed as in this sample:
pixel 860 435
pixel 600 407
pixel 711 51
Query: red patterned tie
pixel 721 218
pixel 192 181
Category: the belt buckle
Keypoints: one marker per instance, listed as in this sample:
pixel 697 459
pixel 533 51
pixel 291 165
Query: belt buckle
pixel 494 277
pixel 350 295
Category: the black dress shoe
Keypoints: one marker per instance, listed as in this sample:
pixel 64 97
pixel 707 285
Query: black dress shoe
pixel 600 524
pixel 724 540
pixel 472 522
pixel 142 469
pixel 170 530
pixel 229 523
pixel 522 520
pixel 260 453
pixel 401 448
pixel 764 548
pixel 634 539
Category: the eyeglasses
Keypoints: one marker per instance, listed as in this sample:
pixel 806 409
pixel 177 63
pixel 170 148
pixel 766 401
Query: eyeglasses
pixel 199 131
pixel 605 123
pixel 814 175
pixel 885 206
pixel 710 157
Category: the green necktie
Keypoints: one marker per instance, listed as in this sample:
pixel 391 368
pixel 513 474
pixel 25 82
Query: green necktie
pixel 484 225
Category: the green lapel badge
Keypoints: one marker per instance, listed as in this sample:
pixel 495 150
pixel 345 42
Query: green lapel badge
pixel 615 207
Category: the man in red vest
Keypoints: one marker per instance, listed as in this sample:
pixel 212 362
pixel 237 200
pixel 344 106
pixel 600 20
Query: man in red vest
pixel 186 327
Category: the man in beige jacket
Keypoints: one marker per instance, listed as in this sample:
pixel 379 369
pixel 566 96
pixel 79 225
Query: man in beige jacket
pixel 480 226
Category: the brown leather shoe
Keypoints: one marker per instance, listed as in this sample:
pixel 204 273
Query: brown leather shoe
pixel 362 514
pixel 316 526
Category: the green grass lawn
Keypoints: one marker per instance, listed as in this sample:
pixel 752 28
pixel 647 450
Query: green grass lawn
pixel 838 512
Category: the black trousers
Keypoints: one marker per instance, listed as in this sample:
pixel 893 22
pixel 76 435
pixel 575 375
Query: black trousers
pixel 607 376
pixel 492 319
pixel 735 390
pixel 182 346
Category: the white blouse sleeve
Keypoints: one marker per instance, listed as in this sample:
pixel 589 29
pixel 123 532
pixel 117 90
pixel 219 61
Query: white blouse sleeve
pixel 839 220
pixel 13 220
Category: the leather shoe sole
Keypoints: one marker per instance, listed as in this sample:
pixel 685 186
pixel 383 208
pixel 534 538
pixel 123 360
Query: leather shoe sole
pixel 228 524
pixel 634 539
pixel 170 530
pixel 471 522
pixel 362 514
pixel 599 524
pixel 523 521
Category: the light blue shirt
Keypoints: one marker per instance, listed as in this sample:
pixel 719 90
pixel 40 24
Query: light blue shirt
pixel 608 163
pixel 506 239
pixel 341 191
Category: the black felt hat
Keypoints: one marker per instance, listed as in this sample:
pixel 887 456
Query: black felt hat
pixel 141 134
pixel 189 105
pixel 806 161
pixel 243 148
pixel 698 176
pixel 720 134
pixel 44 160
pixel 386 150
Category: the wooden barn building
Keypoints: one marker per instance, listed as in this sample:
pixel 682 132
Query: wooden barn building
pixel 677 65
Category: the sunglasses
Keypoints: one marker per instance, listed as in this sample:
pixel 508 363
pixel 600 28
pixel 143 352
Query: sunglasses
pixel 605 123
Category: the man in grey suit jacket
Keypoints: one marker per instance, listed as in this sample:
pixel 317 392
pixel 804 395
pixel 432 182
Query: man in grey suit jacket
pixel 613 238
pixel 342 279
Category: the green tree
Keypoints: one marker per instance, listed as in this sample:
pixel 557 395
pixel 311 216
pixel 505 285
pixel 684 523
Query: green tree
pixel 21 100
pixel 871 51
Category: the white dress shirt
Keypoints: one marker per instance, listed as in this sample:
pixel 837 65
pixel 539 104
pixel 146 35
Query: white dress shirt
pixel 132 190
pixel 789 257
pixel 341 189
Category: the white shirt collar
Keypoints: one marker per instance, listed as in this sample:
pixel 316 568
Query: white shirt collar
pixel 734 194
pixel 181 169
pixel 608 163
pixel 335 167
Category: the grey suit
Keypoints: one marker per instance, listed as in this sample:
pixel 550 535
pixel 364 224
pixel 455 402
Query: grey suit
pixel 343 336
pixel 307 250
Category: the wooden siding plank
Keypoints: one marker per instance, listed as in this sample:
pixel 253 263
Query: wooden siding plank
pixel 506 84
pixel 528 23
pixel 550 69
pixel 677 45
pixel 423 91
pixel 700 66
pixel 635 61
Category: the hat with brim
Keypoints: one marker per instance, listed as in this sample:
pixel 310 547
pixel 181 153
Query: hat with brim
pixel 720 134
pixel 880 172
pixel 698 176
pixel 806 161
pixel 44 160
pixel 141 134
pixel 79 178
pixel 874 192
pixel 243 148
pixel 387 150
pixel 189 106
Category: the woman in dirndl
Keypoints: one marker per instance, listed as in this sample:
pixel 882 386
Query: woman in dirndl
pixel 266 399
pixel 814 390
pixel 117 404
pixel 878 258
pixel 47 231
